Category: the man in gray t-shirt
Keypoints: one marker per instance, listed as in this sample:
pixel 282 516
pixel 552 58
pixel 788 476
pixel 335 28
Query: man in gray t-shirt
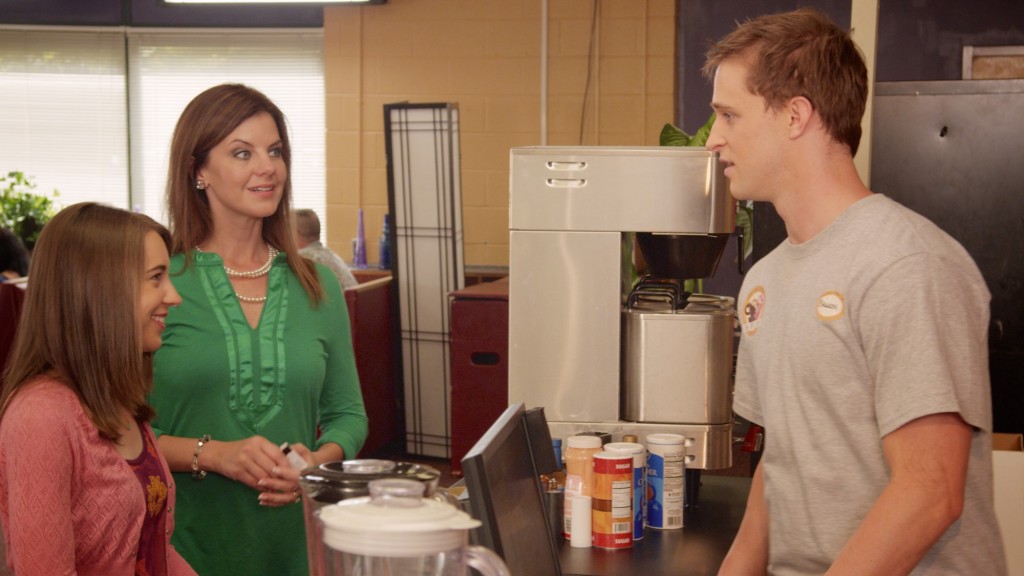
pixel 307 237
pixel 864 335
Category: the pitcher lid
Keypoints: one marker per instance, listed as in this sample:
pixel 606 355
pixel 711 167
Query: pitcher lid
pixel 395 520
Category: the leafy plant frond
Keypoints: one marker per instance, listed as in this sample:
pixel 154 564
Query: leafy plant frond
pixel 745 221
pixel 22 209
pixel 700 137
pixel 673 136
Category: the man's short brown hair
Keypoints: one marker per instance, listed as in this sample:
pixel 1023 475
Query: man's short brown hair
pixel 801 53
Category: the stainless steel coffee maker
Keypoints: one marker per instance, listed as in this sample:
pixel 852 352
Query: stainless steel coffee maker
pixel 598 349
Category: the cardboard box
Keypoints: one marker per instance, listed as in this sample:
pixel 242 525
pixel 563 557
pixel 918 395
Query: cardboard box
pixel 1008 468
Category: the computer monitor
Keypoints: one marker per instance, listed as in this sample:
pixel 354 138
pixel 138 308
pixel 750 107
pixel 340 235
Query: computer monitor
pixel 505 495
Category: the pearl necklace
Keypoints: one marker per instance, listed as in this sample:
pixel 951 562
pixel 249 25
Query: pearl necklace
pixel 257 273
pixel 251 299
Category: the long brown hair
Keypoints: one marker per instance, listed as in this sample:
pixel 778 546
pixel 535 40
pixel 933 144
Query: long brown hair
pixel 207 120
pixel 78 322
pixel 801 53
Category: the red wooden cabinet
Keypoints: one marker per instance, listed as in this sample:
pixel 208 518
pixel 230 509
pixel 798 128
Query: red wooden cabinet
pixel 369 313
pixel 479 363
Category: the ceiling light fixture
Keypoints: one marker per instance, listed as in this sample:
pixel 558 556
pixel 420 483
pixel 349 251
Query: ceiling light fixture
pixel 311 2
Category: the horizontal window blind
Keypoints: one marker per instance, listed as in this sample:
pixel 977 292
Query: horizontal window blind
pixel 167 68
pixel 63 112
pixel 91 112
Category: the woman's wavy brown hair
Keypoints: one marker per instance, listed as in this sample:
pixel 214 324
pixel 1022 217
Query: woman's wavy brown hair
pixel 207 120
pixel 78 323
pixel 801 53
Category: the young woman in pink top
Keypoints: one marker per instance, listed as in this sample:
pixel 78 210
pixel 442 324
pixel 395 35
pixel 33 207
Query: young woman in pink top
pixel 83 489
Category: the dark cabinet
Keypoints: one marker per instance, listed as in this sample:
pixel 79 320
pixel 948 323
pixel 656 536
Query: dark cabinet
pixel 479 363
pixel 370 317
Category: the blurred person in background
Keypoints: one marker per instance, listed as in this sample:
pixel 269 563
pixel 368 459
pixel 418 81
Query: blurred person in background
pixel 307 237
pixel 14 258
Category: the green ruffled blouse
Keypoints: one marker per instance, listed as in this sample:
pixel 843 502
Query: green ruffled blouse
pixel 293 374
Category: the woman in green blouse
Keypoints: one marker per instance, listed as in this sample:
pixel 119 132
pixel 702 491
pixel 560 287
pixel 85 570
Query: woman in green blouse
pixel 259 353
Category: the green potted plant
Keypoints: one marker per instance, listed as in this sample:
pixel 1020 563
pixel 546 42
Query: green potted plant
pixel 23 210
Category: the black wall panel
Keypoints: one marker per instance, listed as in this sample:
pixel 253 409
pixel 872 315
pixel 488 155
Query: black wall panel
pixel 702 22
pixel 158 13
pixel 923 39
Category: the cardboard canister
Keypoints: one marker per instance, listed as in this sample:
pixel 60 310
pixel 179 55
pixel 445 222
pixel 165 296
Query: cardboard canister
pixel 666 457
pixel 612 500
pixel 639 454
pixel 579 474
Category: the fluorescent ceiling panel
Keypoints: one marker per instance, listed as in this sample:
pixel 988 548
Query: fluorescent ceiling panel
pixel 275 1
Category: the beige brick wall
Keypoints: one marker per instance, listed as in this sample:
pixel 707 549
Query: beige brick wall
pixel 485 55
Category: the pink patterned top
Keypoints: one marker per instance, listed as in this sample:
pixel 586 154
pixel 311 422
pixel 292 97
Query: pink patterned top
pixel 69 502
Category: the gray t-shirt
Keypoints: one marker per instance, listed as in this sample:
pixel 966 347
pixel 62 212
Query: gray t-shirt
pixel 880 319
pixel 321 254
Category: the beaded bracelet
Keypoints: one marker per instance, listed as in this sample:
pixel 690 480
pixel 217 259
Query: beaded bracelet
pixel 198 474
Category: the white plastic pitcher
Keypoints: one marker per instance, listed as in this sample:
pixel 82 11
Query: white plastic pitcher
pixel 396 531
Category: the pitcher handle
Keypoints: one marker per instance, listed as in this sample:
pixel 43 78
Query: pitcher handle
pixel 486 562
pixel 443 495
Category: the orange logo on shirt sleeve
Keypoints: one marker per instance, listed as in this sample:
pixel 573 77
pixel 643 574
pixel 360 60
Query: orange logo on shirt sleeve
pixel 753 307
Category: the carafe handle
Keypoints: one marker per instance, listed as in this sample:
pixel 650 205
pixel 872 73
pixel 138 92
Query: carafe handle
pixel 486 562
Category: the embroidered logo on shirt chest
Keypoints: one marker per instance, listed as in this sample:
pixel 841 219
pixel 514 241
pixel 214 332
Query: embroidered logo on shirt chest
pixel 831 306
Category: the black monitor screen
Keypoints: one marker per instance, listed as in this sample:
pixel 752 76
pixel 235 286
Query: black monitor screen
pixel 505 495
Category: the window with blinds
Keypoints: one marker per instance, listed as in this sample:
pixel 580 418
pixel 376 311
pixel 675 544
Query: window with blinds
pixel 91 113
pixel 63 112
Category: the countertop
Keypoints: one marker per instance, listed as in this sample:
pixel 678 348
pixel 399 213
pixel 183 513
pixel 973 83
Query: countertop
pixel 696 550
